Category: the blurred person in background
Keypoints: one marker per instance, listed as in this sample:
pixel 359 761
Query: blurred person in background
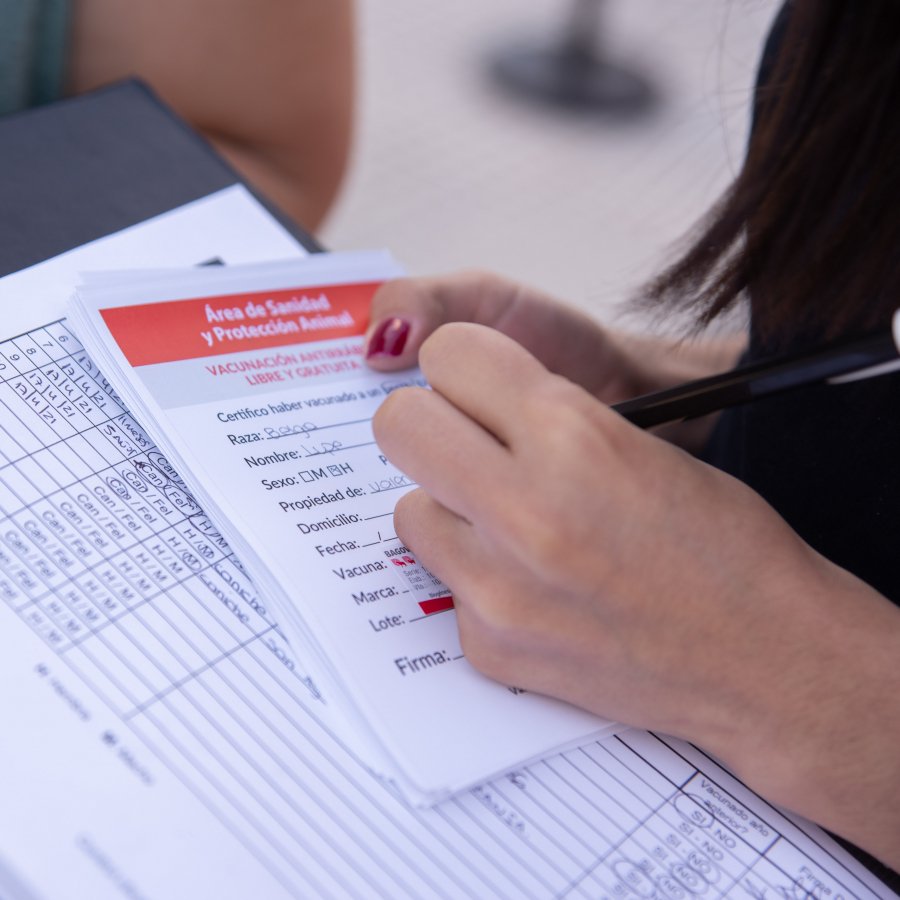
pixel 268 82
pixel 746 600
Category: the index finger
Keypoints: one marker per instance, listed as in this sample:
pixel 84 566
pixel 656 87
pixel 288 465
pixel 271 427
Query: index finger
pixel 485 375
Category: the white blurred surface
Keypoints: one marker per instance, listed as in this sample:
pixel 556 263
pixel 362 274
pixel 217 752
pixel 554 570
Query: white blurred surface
pixel 449 172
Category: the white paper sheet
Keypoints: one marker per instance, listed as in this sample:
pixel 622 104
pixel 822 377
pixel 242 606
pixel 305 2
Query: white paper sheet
pixel 226 781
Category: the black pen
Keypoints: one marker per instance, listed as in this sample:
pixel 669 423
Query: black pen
pixel 864 358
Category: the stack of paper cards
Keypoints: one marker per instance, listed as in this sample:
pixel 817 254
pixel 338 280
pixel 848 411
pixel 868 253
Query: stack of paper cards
pixel 253 381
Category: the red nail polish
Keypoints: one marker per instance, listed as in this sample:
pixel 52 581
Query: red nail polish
pixel 389 338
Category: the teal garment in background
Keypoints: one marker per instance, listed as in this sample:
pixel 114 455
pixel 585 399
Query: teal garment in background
pixel 33 45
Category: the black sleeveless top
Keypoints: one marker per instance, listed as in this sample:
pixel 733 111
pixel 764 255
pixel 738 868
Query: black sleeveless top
pixel 827 458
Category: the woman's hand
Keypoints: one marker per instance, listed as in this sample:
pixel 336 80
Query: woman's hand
pixel 610 366
pixel 405 312
pixel 594 562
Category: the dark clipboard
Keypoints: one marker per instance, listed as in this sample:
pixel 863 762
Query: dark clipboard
pixel 88 166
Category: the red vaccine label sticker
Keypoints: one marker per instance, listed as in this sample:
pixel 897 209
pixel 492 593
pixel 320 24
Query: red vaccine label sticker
pixel 428 591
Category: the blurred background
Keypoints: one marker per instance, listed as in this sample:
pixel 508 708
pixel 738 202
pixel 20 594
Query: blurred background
pixel 451 171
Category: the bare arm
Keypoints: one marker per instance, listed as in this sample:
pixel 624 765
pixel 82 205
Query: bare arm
pixel 269 82
pixel 590 561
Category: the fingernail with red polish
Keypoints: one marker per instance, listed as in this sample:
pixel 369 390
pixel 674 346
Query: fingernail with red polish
pixel 389 338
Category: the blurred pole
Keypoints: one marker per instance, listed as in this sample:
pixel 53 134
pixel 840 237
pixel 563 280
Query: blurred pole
pixel 572 72
pixel 582 36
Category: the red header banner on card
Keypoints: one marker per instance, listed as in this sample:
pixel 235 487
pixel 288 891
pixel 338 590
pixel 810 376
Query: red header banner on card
pixel 210 326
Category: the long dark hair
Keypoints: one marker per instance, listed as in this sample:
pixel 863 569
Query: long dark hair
pixel 810 229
